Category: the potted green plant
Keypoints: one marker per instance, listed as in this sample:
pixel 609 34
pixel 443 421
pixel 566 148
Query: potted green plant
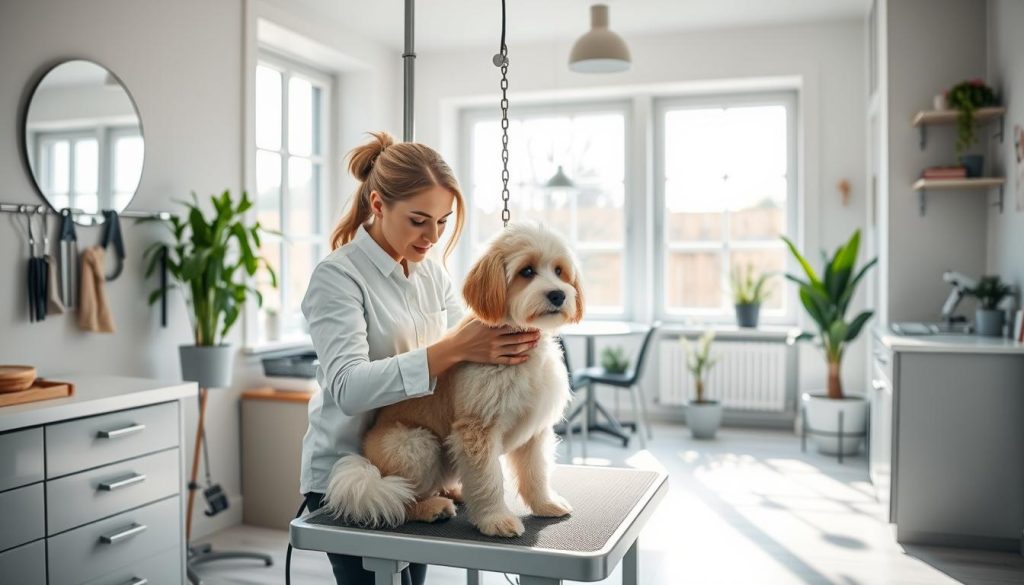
pixel 614 360
pixel 702 416
pixel 749 291
pixel 967 97
pixel 989 318
pixel 826 300
pixel 213 261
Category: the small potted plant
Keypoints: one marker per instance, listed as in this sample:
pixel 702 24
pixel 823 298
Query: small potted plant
pixel 749 291
pixel 702 416
pixel 212 260
pixel 614 360
pixel 826 300
pixel 989 318
pixel 967 97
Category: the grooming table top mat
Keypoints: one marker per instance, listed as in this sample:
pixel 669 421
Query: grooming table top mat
pixel 610 506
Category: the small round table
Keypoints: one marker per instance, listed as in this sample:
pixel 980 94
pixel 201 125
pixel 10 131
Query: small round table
pixel 590 330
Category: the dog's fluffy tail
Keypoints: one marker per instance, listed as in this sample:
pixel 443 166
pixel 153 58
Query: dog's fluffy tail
pixel 358 494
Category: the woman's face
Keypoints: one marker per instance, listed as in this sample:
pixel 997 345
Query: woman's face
pixel 411 227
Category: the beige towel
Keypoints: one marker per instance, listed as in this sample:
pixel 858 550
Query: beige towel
pixel 93 311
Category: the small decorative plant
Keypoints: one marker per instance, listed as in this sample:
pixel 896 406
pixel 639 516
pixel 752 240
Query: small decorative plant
pixel 699 360
pixel 967 97
pixel 990 291
pixel 213 260
pixel 826 300
pixel 749 285
pixel 614 360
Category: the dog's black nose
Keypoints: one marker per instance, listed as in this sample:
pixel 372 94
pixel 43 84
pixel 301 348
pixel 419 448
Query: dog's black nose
pixel 556 297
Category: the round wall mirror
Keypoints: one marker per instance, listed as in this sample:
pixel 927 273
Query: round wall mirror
pixel 83 140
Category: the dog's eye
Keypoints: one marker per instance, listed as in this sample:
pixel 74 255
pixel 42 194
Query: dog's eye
pixel 527 272
pixel 558 271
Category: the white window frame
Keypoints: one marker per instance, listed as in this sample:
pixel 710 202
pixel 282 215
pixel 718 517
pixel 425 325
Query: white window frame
pixel 469 116
pixel 786 98
pixel 254 340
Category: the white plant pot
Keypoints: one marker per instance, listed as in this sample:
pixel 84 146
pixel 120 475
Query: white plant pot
pixel 823 417
pixel 703 418
pixel 210 366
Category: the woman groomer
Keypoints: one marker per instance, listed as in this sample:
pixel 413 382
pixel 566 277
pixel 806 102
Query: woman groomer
pixel 379 312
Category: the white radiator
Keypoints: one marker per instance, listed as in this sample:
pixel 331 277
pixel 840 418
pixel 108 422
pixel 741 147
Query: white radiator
pixel 749 375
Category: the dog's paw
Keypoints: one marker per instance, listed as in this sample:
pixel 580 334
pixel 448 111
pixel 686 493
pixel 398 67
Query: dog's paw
pixel 505 525
pixel 433 509
pixel 454 492
pixel 556 507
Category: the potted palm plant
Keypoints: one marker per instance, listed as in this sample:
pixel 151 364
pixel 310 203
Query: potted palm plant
pixel 826 300
pixel 989 318
pixel 749 291
pixel 212 260
pixel 702 416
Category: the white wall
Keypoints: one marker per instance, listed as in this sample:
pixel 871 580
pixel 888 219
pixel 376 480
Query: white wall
pixel 1005 252
pixel 827 59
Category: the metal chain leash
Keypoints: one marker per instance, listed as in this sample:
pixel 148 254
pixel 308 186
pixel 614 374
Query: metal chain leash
pixel 501 60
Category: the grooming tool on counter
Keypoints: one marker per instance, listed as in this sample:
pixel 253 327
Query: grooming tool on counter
pixel 16 378
pixel 951 323
pixel 68 255
pixel 112 234
pixel 36 276
pixel 54 306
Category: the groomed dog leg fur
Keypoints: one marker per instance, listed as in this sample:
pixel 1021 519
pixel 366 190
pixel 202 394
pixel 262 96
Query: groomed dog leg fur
pixel 474 448
pixel 532 463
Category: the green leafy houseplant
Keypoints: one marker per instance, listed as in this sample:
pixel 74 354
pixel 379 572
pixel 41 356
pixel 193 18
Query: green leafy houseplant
pixel 749 286
pixel 614 360
pixel 826 300
pixel 967 97
pixel 990 291
pixel 213 260
pixel 699 360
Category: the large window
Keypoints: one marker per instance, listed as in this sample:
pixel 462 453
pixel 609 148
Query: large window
pixel 291 124
pixel 725 180
pixel 589 143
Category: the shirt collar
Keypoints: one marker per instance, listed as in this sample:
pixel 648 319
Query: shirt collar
pixel 380 258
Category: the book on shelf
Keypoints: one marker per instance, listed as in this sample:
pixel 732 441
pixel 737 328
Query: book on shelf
pixel 944 173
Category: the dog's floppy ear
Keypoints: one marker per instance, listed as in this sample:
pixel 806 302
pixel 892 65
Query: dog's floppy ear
pixel 484 289
pixel 579 295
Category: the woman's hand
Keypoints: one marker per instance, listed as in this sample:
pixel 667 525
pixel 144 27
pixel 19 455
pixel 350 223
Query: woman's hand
pixel 481 343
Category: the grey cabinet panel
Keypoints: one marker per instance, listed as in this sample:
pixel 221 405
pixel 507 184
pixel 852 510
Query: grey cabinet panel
pixel 25 565
pixel 162 569
pixel 98 440
pixel 21 458
pixel 23 511
pixel 100 548
pixel 78 499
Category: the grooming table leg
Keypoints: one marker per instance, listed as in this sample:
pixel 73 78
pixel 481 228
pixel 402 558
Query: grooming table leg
pixel 472 577
pixel 531 580
pixel 385 571
pixel 631 565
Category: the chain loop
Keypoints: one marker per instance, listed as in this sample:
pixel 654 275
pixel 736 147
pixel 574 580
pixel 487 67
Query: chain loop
pixel 501 60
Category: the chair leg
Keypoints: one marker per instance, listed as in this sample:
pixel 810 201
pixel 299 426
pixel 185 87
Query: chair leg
pixel 636 415
pixel 643 411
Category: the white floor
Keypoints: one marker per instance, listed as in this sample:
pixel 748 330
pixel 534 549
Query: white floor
pixel 746 508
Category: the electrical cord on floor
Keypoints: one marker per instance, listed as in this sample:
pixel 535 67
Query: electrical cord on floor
pixel 288 555
pixel 510 581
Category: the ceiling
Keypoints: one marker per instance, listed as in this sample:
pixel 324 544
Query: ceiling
pixel 444 24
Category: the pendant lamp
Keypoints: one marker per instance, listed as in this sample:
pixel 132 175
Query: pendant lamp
pixel 600 50
pixel 559 180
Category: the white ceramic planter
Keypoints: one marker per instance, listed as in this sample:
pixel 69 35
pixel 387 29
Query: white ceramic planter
pixel 703 418
pixel 823 417
pixel 210 366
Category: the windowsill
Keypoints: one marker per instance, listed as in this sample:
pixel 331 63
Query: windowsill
pixel 267 347
pixel 786 333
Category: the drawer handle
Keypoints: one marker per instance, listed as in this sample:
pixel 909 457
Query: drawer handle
pixel 122 432
pixel 127 533
pixel 137 581
pixel 113 485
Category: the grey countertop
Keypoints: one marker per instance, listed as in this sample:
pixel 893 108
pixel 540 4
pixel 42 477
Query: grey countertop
pixel 94 394
pixel 948 343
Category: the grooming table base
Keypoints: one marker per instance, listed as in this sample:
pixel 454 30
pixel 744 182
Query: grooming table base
pixel 611 506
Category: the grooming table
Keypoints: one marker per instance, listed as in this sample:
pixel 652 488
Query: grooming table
pixel 611 507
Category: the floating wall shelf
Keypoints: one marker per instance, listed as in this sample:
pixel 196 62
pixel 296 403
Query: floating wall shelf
pixel 923 185
pixel 923 119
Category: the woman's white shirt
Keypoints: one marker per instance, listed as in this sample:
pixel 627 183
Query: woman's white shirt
pixel 370 326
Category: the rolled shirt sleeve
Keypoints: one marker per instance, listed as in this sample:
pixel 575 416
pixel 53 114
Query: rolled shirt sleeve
pixel 334 309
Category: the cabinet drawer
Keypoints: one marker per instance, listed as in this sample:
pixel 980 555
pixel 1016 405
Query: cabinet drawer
pixel 25 565
pixel 90 495
pixel 162 569
pixel 23 512
pixel 21 458
pixel 98 440
pixel 100 548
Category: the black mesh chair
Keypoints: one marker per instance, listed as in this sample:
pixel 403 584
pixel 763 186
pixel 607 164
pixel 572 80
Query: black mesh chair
pixel 629 380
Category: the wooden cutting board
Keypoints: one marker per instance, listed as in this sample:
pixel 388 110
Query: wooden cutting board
pixel 40 390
